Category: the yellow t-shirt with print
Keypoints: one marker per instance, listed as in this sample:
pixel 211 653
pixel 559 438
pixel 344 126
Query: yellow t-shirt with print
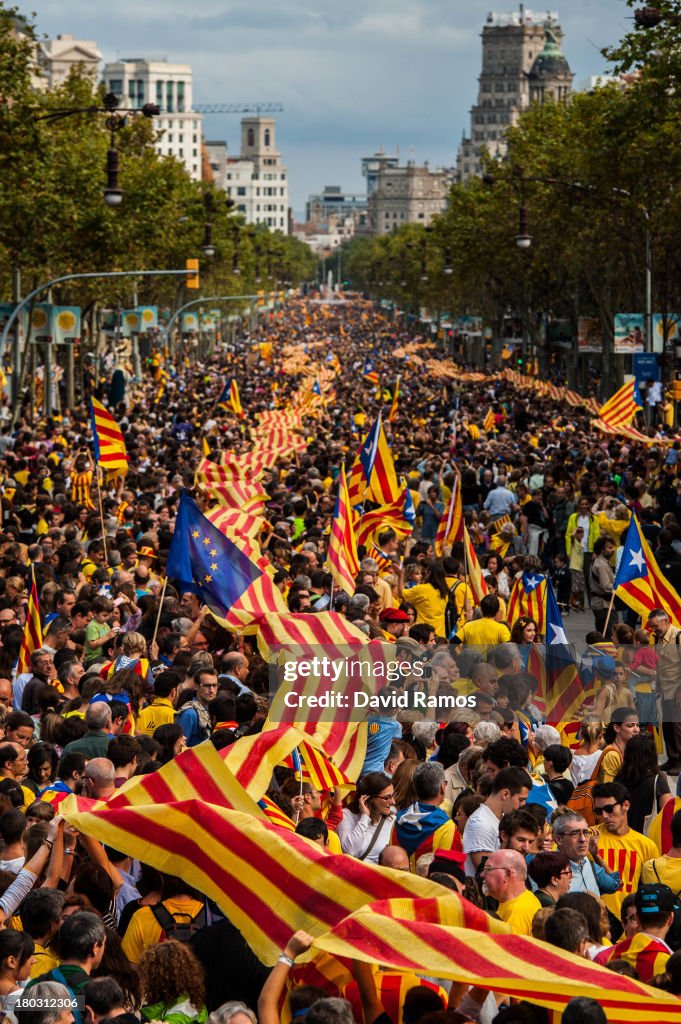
pixel 626 854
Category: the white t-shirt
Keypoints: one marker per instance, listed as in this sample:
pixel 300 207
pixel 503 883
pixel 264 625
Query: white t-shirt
pixel 481 835
pixel 583 521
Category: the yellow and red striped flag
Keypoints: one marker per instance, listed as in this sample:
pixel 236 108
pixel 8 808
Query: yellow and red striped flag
pixel 392 415
pixel 489 423
pixel 233 523
pixel 252 759
pixel 230 398
pixel 198 773
pixel 33 633
pixel 267 881
pixel 275 815
pixel 290 638
pixel 619 409
pixel 476 580
pixel 393 515
pixel 450 527
pixel 109 446
pixel 342 560
pixel 317 769
pixel 473 431
pixel 405 937
pixel 639 582
pixel 528 595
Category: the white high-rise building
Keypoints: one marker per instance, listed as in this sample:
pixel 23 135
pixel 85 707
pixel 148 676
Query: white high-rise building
pixel 258 181
pixel 138 81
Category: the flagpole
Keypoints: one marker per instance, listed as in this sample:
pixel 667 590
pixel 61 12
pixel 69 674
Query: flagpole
pixel 300 794
pixel 466 599
pixel 607 619
pixel 101 516
pixel 160 609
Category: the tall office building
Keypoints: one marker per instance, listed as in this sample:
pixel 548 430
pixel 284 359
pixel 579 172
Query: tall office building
pixel 522 63
pixel 138 81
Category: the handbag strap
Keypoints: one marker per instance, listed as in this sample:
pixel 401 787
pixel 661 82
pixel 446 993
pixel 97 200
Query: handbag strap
pixel 363 856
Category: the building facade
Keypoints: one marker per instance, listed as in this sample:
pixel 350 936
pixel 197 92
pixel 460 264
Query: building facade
pixel 408 195
pixel 56 57
pixel 332 204
pixel 138 81
pixel 258 180
pixel 521 63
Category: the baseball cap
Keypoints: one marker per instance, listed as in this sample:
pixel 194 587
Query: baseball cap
pixel 655 899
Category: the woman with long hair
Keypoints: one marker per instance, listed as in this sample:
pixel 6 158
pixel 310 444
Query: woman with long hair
pixel 42 767
pixel 648 786
pixel 430 597
pixel 403 783
pixel 16 960
pixel 172 740
pixel 368 819
pixel 173 987
pixel 623 725
pixel 586 754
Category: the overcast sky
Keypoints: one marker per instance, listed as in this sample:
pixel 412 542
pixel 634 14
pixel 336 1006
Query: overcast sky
pixel 352 76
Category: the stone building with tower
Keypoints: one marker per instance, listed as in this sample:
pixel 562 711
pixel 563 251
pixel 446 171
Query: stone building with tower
pixel 257 180
pixel 522 63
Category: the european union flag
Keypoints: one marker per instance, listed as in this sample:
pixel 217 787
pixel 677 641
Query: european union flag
pixel 207 562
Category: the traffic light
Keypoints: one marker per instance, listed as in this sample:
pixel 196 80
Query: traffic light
pixel 192 266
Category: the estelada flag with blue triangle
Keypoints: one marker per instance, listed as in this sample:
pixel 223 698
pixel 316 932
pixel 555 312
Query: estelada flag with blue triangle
pixel 527 598
pixel 563 687
pixel 639 582
pixel 230 398
pixel 373 476
pixel 370 374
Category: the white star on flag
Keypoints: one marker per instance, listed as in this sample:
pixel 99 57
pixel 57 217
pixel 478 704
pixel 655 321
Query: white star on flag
pixel 638 559
pixel 532 582
pixel 559 636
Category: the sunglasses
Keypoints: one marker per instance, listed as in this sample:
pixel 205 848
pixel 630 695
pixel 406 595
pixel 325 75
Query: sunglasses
pixel 607 808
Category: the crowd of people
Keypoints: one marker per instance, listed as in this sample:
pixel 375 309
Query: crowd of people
pixel 550 827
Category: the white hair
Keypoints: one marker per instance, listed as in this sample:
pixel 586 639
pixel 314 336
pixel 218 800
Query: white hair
pixel 546 736
pixel 425 731
pixel 486 733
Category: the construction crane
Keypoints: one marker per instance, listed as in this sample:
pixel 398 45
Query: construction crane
pixel 237 108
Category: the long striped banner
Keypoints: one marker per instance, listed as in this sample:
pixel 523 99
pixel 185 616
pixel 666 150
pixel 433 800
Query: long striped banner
pixel 515 965
pixel 267 881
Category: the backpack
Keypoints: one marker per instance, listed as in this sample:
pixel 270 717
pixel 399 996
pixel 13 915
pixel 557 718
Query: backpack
pixel 451 612
pixel 582 801
pixel 179 926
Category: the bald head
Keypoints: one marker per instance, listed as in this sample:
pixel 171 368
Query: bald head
pixel 99 778
pixel 484 678
pixel 394 857
pixel 504 874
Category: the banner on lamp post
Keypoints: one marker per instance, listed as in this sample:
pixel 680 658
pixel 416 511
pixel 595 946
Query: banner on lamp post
pixel 65 324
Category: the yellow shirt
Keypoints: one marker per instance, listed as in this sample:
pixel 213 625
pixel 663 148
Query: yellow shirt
pixel 610 765
pixel 45 960
pixel 159 712
pixel 666 870
pixel 519 912
pixel 626 854
pixel 334 843
pixel 429 604
pixel 484 632
pixel 29 795
pixel 144 930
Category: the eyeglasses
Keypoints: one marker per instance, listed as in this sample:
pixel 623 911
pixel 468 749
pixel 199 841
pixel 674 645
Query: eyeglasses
pixel 486 870
pixel 388 797
pixel 607 808
pixel 568 872
pixel 579 833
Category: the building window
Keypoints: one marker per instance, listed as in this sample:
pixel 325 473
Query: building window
pixel 180 97
pixel 250 137
pixel 116 86
pixel 195 152
pixel 132 91
pixel 159 94
pixel 169 97
pixel 241 191
pixel 267 137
